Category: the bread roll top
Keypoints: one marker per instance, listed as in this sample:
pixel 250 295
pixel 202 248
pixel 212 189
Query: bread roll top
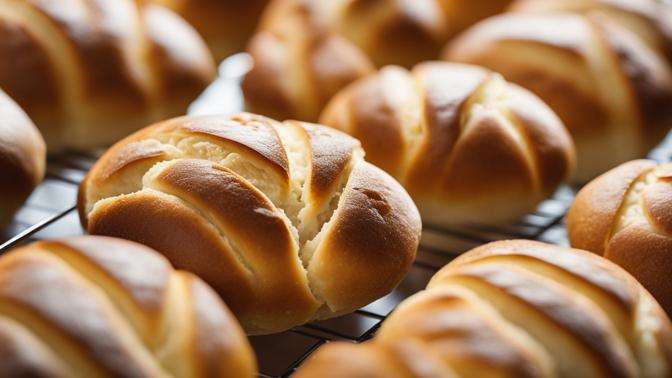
pixel 517 308
pixel 106 307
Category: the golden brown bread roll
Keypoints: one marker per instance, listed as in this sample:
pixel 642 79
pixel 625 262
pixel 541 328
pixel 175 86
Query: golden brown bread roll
pixel 468 146
pixel 299 62
pixel 285 220
pixel 608 85
pixel 406 32
pixel 625 215
pixel 651 20
pixel 104 307
pixel 22 158
pixel 515 309
pixel 226 25
pixel 89 72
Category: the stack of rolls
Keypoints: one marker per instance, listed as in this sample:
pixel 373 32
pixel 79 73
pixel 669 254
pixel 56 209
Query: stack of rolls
pixel 470 147
pixel 603 66
pixel 225 25
pixel 515 309
pixel 625 215
pixel 22 158
pixel 286 221
pixel 89 72
pixel 102 307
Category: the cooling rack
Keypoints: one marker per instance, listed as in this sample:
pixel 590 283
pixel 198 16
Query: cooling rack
pixel 50 212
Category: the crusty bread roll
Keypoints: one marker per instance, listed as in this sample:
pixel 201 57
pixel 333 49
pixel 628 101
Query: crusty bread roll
pixel 651 20
pixel 625 215
pixel 610 88
pixel 22 158
pixel 103 307
pixel 468 146
pixel 299 62
pixel 515 309
pixel 89 72
pixel 406 32
pixel 285 220
pixel 226 25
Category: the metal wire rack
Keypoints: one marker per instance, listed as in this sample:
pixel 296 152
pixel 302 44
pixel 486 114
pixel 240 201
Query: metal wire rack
pixel 50 212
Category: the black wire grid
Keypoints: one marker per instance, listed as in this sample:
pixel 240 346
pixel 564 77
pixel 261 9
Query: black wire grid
pixel 50 212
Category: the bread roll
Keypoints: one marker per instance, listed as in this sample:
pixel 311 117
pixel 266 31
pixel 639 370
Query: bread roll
pixel 467 145
pixel 515 309
pixel 299 62
pixel 226 25
pixel 104 307
pixel 624 215
pixel 22 158
pixel 651 20
pixel 406 32
pixel 285 220
pixel 607 85
pixel 89 72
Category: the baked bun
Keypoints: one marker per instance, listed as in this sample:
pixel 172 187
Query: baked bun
pixel 226 25
pixel 89 72
pixel 468 146
pixel 608 85
pixel 651 20
pixel 515 309
pixel 285 220
pixel 406 32
pixel 22 158
pixel 299 62
pixel 625 215
pixel 104 307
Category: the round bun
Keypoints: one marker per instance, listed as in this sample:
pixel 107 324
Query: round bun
pixel 285 220
pixel 651 20
pixel 406 32
pixel 607 84
pixel 299 63
pixel 226 25
pixel 625 215
pixel 22 158
pixel 92 71
pixel 516 309
pixel 98 307
pixel 468 146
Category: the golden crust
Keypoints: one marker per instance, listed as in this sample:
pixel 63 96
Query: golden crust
pixel 407 32
pixel 602 79
pixel 451 133
pixel 99 69
pixel 22 157
pixel 83 297
pixel 226 25
pixel 624 215
pixel 518 308
pixel 299 62
pixel 232 199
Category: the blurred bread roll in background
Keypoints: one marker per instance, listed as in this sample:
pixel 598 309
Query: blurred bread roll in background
pixel 469 147
pixel 90 72
pixel 625 215
pixel 226 25
pixel 611 88
pixel 407 32
pixel 97 307
pixel 299 62
pixel 515 309
pixel 285 220
pixel 651 20
pixel 22 158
